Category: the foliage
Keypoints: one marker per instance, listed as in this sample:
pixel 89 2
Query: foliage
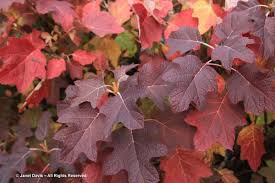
pixel 138 91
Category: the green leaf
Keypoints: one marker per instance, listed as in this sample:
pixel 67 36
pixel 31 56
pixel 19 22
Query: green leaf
pixel 268 171
pixel 260 120
pixel 127 43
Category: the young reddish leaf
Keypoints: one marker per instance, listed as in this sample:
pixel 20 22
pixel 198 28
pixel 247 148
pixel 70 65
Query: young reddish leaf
pixel 83 57
pixel 121 10
pixel 185 166
pixel 62 12
pixel 232 48
pixel 75 70
pixel 5 4
pixel 41 91
pixel 183 40
pixel 150 30
pixel 132 152
pixel 55 67
pixel 203 10
pixel 99 22
pixel 193 81
pixel 251 140
pixel 85 126
pixel 22 61
pixel 253 88
pixel 89 90
pixel 181 19
pixel 216 122
pixel 158 8
pixel 101 63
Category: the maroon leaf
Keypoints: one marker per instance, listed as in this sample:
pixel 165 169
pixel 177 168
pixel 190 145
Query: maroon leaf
pixel 41 131
pixel 234 47
pixel 89 90
pixel 122 108
pixel 253 88
pixel 193 81
pixel 85 126
pixel 150 78
pixel 269 37
pixel 14 162
pixel 183 40
pixel 132 152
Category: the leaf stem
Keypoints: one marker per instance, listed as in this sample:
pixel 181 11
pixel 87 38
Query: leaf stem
pixel 206 44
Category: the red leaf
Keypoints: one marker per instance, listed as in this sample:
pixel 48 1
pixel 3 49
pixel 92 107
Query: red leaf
pixel 185 166
pixel 216 122
pixel 61 11
pixel 181 19
pixel 5 4
pixel 55 68
pixel 99 22
pixel 83 57
pixel 120 9
pixel 251 140
pixel 22 61
pixel 150 30
pixel 41 91
pixel 75 70
pixel 95 175
pixel 101 62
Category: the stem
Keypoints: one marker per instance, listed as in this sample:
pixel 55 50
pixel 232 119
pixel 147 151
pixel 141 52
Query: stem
pixel 43 171
pixel 265 121
pixel 42 150
pixel 207 45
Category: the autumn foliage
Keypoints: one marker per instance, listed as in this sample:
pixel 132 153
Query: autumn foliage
pixel 137 91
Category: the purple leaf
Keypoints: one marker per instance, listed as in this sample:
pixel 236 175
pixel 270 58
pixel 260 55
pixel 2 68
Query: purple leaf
pixel 41 131
pixel 132 152
pixel 85 127
pixel 193 81
pixel 183 40
pixel 234 47
pixel 253 88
